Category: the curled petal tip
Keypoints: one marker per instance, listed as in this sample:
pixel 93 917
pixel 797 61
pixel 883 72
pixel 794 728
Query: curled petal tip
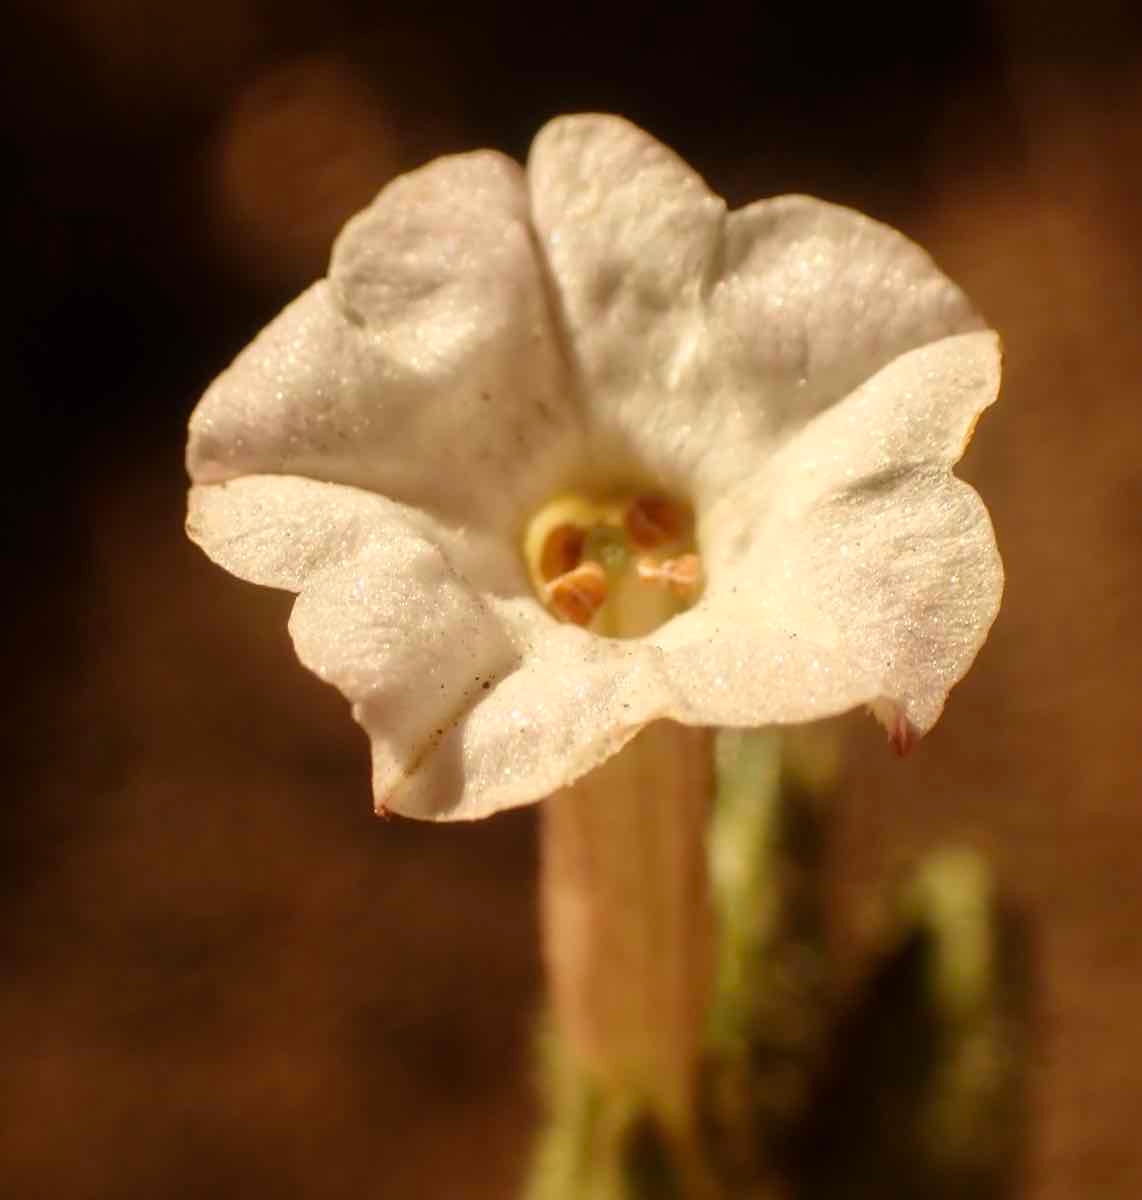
pixel 902 735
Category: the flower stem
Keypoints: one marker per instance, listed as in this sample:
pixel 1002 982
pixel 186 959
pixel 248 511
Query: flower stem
pixel 627 925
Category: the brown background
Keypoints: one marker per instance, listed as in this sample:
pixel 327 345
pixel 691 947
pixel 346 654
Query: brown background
pixel 221 975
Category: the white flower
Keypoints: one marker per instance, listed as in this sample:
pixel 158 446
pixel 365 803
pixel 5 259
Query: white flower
pixel 488 338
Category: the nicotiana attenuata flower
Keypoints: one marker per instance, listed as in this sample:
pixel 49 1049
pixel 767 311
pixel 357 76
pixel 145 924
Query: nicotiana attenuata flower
pixel 555 452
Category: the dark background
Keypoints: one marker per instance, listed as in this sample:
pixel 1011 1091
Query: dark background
pixel 221 974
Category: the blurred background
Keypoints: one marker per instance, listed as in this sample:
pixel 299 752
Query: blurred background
pixel 221 975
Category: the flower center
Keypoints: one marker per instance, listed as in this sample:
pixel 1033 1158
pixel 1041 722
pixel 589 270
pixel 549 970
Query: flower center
pixel 621 565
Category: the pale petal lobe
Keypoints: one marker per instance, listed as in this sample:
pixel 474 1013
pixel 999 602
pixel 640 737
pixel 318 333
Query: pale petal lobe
pixel 411 646
pixel 426 368
pixel 812 299
pixel 867 536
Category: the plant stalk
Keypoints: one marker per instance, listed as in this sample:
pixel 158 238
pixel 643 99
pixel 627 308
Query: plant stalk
pixel 627 920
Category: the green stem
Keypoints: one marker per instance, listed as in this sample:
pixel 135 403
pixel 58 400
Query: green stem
pixel 772 1003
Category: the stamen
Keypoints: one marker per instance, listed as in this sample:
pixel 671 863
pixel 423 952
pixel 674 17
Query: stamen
pixel 589 560
pixel 653 521
pixel 553 538
pixel 682 575
pixel 577 595
pixel 562 551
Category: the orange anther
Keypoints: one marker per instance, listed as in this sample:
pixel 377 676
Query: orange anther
pixel 652 521
pixel 578 594
pixel 683 575
pixel 562 551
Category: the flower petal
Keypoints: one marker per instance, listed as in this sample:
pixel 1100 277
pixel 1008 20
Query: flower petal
pixel 575 699
pixel 812 299
pixel 861 538
pixel 629 230
pixel 282 530
pixel 425 368
pixel 697 333
pixel 411 645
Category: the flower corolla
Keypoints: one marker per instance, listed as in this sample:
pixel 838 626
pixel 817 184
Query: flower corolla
pixel 799 377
